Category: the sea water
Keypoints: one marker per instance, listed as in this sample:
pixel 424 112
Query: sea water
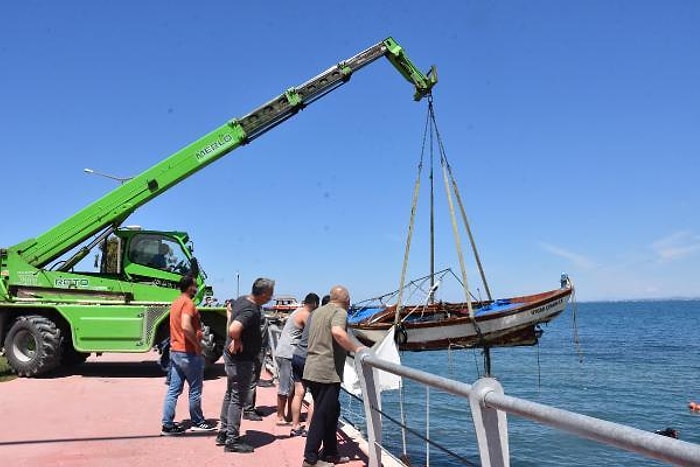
pixel 638 364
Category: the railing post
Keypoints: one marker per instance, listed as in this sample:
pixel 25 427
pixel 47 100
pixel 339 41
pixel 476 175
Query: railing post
pixel 490 424
pixel 370 400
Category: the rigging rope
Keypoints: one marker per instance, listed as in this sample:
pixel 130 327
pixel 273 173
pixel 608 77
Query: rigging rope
pixel 432 200
pixel 453 218
pixel 460 203
pixel 458 197
pixel 458 242
pixel 411 224
pixel 467 293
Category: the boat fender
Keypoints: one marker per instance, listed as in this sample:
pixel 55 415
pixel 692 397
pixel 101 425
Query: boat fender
pixel 400 335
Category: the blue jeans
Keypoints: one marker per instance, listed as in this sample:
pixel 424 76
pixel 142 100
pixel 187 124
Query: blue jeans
pixel 239 375
pixel 184 367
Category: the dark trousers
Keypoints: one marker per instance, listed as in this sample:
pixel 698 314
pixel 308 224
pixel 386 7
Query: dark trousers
pixel 238 377
pixel 324 423
pixel 249 405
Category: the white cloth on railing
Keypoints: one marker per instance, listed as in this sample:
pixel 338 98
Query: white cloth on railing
pixel 386 349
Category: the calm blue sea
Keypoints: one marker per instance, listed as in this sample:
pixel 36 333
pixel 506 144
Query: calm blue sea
pixel 640 367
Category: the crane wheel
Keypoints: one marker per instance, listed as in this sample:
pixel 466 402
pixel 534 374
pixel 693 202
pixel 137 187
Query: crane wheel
pixel 212 348
pixel 33 345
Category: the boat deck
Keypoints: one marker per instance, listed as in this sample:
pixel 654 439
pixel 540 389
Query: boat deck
pixel 108 413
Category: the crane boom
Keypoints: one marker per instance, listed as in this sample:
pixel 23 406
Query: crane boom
pixel 113 208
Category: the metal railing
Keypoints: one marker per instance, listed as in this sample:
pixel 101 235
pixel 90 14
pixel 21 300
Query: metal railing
pixel 489 406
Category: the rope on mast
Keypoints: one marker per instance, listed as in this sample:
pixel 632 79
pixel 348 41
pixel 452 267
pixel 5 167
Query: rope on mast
pixel 458 242
pixel 477 258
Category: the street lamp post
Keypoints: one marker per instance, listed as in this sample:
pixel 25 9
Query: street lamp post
pixel 121 180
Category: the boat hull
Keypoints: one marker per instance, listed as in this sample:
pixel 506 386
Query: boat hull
pixel 503 323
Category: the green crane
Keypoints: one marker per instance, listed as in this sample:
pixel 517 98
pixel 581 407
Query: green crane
pixel 52 315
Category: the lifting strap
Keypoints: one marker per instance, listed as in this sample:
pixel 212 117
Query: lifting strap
pixel 411 224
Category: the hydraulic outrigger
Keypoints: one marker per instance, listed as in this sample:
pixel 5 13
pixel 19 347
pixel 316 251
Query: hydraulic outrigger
pixel 52 315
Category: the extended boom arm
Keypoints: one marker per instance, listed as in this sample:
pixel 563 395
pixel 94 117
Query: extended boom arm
pixel 113 208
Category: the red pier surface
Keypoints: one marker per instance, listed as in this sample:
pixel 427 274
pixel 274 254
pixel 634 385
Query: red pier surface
pixel 108 411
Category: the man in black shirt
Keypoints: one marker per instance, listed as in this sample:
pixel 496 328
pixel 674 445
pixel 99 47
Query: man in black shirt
pixel 243 344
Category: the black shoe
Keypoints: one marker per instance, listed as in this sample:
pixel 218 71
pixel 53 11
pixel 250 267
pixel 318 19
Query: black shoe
pixel 336 459
pixel 221 438
pixel 203 426
pixel 259 412
pixel 238 446
pixel 298 432
pixel 252 416
pixel 264 383
pixel 174 430
pixel 333 459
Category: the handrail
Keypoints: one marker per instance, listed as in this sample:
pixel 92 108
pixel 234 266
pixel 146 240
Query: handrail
pixel 489 406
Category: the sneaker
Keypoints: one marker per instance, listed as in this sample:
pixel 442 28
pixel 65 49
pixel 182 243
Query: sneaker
pixel 203 426
pixel 173 430
pixel 298 432
pixel 319 463
pixel 221 438
pixel 238 446
pixel 252 416
pixel 336 459
pixel 265 383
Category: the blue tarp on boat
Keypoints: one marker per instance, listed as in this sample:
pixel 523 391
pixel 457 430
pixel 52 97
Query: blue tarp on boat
pixel 360 314
pixel 499 306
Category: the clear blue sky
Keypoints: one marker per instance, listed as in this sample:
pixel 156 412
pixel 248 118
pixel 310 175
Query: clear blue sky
pixel 572 127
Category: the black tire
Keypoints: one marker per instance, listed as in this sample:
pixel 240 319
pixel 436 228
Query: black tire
pixel 212 346
pixel 164 350
pixel 33 345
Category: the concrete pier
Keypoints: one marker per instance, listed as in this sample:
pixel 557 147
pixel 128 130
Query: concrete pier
pixel 108 411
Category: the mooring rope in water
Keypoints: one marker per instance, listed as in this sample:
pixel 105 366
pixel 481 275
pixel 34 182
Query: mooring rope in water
pixel 539 369
pixel 577 341
pixel 415 433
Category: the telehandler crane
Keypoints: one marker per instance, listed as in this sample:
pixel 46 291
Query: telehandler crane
pixel 52 315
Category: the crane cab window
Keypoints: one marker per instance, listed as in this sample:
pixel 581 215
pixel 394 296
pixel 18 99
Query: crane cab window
pixel 159 252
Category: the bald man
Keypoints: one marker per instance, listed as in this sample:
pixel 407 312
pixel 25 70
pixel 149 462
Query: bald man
pixel 323 373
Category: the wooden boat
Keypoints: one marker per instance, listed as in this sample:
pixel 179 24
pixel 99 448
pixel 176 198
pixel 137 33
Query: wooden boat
pixel 435 324
pixel 500 323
